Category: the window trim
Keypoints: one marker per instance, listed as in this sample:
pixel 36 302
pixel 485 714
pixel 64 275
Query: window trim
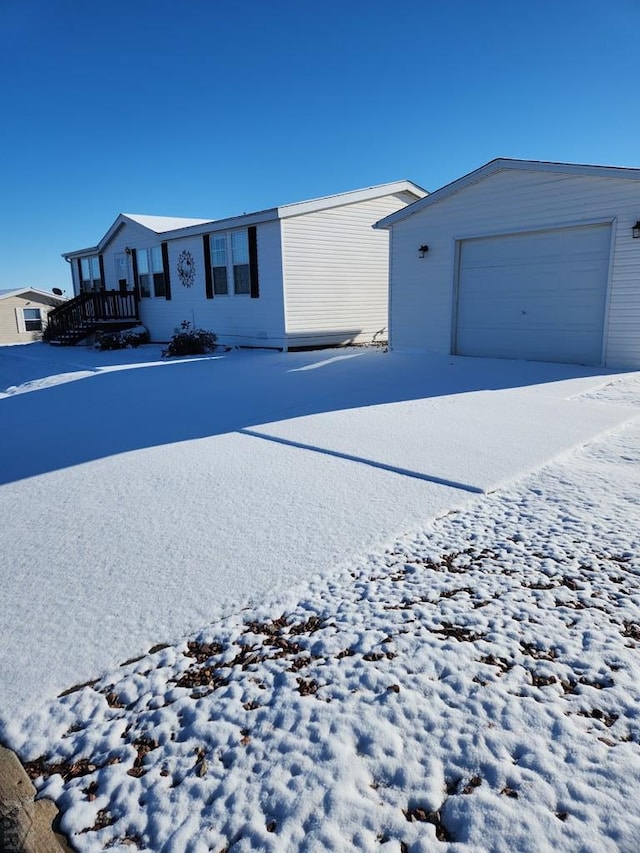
pixel 243 249
pixel 156 270
pixel 230 264
pixel 92 281
pixel 22 325
pixel 221 237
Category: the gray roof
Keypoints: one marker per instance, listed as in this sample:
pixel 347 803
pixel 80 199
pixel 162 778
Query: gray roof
pixel 19 291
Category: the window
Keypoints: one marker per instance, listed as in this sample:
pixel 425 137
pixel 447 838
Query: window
pixel 90 278
pixel 151 272
pixel 240 254
pixel 232 246
pixel 32 319
pixel 122 272
pixel 219 264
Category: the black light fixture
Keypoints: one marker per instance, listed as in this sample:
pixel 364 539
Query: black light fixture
pixel 127 250
pixel 422 251
pixel 636 229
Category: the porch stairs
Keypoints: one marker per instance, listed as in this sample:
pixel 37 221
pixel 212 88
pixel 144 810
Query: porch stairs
pixel 103 310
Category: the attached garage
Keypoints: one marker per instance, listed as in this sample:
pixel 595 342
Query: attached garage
pixel 525 260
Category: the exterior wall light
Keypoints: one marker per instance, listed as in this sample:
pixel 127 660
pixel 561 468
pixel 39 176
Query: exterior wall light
pixel 636 229
pixel 422 251
pixel 127 250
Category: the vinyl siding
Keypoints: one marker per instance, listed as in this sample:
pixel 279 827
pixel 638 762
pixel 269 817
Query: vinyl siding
pixel 422 290
pixel 336 273
pixel 336 287
pixel 236 320
pixel 163 316
pixel 9 327
pixel 129 236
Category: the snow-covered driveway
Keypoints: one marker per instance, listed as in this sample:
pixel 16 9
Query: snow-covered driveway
pixel 139 499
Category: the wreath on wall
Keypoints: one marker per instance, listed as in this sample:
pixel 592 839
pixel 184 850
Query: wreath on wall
pixel 186 268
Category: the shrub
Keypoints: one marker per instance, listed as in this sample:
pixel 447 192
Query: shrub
pixel 188 341
pixel 122 340
pixel 108 341
pixel 47 333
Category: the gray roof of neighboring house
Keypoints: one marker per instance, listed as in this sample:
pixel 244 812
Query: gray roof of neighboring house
pixel 19 291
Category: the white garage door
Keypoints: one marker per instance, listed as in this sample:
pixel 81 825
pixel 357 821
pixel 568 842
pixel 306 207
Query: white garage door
pixel 539 295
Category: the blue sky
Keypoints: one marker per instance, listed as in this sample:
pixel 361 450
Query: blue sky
pixel 212 108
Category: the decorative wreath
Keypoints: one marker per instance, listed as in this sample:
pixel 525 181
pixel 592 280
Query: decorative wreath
pixel 186 268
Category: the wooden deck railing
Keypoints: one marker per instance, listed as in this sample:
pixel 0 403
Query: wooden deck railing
pixel 86 311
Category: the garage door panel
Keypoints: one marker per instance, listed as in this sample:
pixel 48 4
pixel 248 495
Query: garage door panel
pixel 539 295
pixel 526 343
pixel 510 301
pixel 588 242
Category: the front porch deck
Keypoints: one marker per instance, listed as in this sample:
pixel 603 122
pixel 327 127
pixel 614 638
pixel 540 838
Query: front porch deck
pixel 107 310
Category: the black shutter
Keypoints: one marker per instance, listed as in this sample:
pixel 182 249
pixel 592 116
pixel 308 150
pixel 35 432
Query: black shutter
pixel 103 285
pixel 165 269
pixel 136 280
pixel 79 275
pixel 208 278
pixel 253 262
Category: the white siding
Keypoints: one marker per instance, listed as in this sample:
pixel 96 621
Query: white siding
pixel 335 287
pixel 236 320
pixel 131 236
pixel 422 290
pixel 162 316
pixel 336 273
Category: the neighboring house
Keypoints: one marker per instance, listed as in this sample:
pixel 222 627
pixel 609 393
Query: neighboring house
pixel 23 314
pixel 526 260
pixel 306 274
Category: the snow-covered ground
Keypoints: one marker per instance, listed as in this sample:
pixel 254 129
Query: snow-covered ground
pixel 394 658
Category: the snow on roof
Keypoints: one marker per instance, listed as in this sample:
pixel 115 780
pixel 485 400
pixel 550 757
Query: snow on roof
pixel 157 224
pixel 501 164
pixel 180 226
pixel 311 205
pixel 19 291
pixel 350 197
pixel 160 224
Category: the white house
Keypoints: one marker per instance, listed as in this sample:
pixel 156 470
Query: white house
pixel 521 259
pixel 23 313
pixel 306 274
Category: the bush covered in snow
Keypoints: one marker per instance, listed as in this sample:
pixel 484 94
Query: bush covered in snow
pixel 189 341
pixel 122 340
